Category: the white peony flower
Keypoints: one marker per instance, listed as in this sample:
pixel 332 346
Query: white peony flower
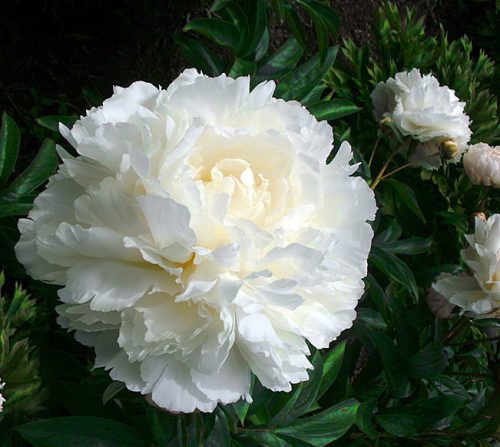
pixel 423 109
pixel 199 236
pixel 438 304
pixel 2 399
pixel 482 165
pixel 480 293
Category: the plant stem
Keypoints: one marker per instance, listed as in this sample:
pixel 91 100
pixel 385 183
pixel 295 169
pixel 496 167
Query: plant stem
pixel 375 146
pixel 381 173
pixel 473 375
pixel 471 342
pixel 411 163
pixel 456 330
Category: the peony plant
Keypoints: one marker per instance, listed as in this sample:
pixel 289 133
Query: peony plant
pixel 244 258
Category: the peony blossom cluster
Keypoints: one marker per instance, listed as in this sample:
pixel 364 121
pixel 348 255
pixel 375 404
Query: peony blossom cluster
pixel 482 165
pixel 478 293
pixel 428 112
pixel 198 237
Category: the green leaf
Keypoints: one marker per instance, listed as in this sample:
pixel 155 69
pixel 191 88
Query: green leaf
pixel 411 246
pixel 395 374
pixel 394 268
pixel 263 45
pixel 51 122
pixel 111 391
pixel 450 386
pixel 327 14
pixel 364 418
pixel 9 147
pixel 487 322
pixel 325 427
pixel 304 78
pixel 428 363
pixel 295 25
pixel 321 36
pixel 410 420
pixel 242 67
pixel 218 4
pixel 241 409
pixel 262 438
pixel 200 56
pixel 80 432
pixel 331 367
pixel 40 169
pixel 304 395
pixel 162 426
pixel 233 12
pixel 15 209
pixel 281 62
pixel 253 43
pixel 334 109
pixel 220 436
pixel 371 317
pixel 378 296
pixel 390 234
pixel 219 31
pixel 407 197
pixel 314 96
pixel 279 8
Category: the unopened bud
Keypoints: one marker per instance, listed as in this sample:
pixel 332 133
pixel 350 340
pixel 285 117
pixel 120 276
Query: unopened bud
pixel 384 121
pixel 450 149
pixel 472 219
pixel 480 215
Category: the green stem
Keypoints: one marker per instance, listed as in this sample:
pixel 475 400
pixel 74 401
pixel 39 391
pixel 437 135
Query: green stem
pixel 456 330
pixel 375 146
pixel 472 342
pixel 411 163
pixel 472 375
pixel 381 172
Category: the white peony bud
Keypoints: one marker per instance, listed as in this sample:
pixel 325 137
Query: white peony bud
pixel 450 149
pixel 426 111
pixel 199 237
pixel 482 165
pixel 480 293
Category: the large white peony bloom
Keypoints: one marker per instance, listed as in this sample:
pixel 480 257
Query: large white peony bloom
pixel 480 293
pixel 200 236
pixel 482 165
pixel 426 111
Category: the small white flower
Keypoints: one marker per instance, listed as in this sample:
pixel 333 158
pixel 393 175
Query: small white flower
pixel 482 165
pixel 480 293
pixel 424 110
pixel 2 399
pixel 199 236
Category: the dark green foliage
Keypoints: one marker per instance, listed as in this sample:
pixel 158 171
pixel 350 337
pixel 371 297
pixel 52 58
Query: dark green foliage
pixel 16 198
pixel 241 29
pixel 81 432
